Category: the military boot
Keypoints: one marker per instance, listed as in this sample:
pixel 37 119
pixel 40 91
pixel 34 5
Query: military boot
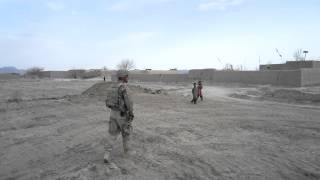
pixel 107 161
pixel 108 149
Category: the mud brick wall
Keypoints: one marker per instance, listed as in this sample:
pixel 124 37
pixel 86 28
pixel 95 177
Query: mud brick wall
pixel 316 64
pixel 60 74
pixel 310 77
pixel 280 78
pixel 168 78
pixel 8 76
pixel 294 78
pixel 291 65
pixel 71 74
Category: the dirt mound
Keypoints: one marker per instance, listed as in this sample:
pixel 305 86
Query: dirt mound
pixel 101 89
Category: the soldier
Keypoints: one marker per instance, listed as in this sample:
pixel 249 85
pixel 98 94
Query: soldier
pixel 194 94
pixel 121 115
pixel 200 90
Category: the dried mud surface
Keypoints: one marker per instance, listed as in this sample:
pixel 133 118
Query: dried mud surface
pixel 301 95
pixel 50 130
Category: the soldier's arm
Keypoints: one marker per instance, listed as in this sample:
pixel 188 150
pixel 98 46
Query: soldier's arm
pixel 127 101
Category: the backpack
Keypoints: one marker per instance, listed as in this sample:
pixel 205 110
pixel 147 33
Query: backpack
pixel 113 98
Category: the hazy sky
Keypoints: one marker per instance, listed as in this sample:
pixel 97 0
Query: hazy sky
pixel 157 34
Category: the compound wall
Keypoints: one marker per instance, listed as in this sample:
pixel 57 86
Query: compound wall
pixel 272 67
pixel 281 78
pixel 55 74
pixel 291 65
pixel 92 74
pixel 9 76
pixel 296 78
pixel 310 77
pixel 167 78
pixel 60 74
pixel 316 64
pixel 203 74
pixel 72 74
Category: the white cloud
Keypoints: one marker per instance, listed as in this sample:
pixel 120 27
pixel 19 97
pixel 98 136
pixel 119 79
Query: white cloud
pixel 218 4
pixel 55 6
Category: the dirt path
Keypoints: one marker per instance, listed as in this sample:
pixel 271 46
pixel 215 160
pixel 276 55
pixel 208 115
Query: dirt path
pixel 219 138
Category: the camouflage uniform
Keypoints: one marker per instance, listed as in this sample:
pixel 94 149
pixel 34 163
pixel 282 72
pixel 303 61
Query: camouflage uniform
pixel 120 121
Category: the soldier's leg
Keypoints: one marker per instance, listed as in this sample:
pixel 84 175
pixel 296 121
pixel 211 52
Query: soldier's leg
pixel 114 131
pixel 126 143
pixel 126 132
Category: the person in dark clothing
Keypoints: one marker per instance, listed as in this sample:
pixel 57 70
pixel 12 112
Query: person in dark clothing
pixel 194 94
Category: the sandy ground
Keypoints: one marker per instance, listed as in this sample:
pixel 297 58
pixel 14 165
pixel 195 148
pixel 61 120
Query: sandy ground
pixel 48 130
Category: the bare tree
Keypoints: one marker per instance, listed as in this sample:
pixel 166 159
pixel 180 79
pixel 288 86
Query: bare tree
pixel 126 64
pixel 298 55
pixel 239 68
pixel 34 71
pixel 228 67
pixel 104 71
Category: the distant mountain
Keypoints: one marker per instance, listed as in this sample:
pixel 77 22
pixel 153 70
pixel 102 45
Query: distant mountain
pixel 11 69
